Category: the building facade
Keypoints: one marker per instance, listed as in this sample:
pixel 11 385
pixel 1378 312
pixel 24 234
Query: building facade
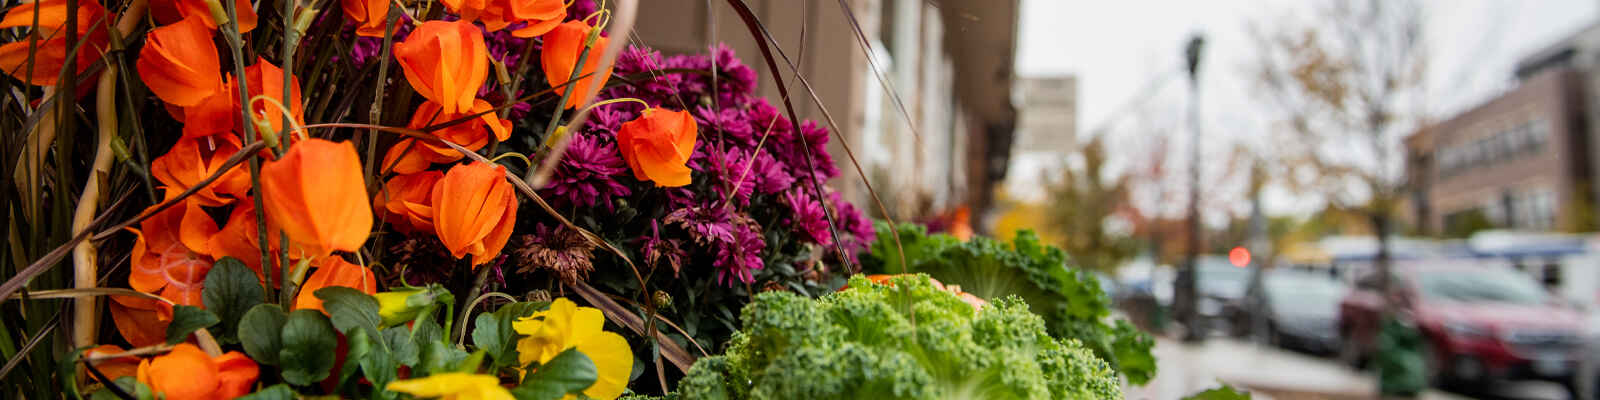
pixel 1047 125
pixel 1519 161
pixel 922 96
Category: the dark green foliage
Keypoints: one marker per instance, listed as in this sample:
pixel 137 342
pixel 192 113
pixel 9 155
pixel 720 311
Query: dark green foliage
pixel 309 347
pixel 1070 299
pixel 186 320
pixel 231 289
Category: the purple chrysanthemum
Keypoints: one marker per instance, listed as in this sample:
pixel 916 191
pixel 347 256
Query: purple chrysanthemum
pixel 740 258
pixel 807 217
pixel 706 225
pixel 587 174
pixel 853 223
pixel 730 123
pixel 771 175
pixel 729 172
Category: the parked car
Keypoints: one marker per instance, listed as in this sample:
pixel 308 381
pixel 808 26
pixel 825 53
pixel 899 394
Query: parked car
pixel 1299 310
pixel 1221 287
pixel 1480 323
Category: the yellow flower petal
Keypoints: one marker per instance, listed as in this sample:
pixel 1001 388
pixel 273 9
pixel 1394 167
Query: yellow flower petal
pixel 613 361
pixel 454 386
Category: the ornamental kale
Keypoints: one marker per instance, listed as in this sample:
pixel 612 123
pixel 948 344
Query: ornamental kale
pixel 905 340
pixel 1070 300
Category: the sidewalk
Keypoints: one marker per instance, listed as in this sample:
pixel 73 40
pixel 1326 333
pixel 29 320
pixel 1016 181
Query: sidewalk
pixel 1268 373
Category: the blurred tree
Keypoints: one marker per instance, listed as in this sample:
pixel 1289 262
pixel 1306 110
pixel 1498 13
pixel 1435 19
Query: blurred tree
pixel 1081 207
pixel 1347 85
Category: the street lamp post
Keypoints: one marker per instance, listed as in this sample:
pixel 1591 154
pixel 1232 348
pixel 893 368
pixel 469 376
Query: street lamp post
pixel 1187 296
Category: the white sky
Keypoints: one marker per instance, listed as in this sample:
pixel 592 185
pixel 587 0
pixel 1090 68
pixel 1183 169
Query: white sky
pixel 1117 48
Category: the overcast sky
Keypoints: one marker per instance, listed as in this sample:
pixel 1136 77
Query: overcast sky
pixel 1118 48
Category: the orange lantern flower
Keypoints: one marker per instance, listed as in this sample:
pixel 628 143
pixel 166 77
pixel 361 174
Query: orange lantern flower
pixel 446 62
pixel 219 112
pixel 537 16
pixel 116 367
pixel 187 373
pixel 369 15
pixel 561 49
pixel 50 47
pixel 474 209
pixel 413 155
pixel 168 11
pixel 406 201
pixel 315 193
pixel 658 144
pixel 334 271
pixel 141 321
pixel 170 254
pixel 215 115
pixel 192 160
pixel 179 63
pixel 267 79
pixel 240 239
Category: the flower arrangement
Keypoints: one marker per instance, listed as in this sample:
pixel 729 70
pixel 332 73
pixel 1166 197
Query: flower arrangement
pixel 383 199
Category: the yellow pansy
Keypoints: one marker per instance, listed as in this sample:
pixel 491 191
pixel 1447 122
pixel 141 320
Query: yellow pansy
pixel 564 326
pixel 454 386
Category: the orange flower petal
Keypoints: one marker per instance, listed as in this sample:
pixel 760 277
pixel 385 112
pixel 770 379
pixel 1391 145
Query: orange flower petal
pixel 369 15
pixel 49 54
pixel 474 209
pixel 139 320
pixel 179 63
pixel 235 374
pixel 406 201
pixel 334 271
pixel 658 145
pixel 445 61
pixel 316 194
pixel 185 373
pixel 116 367
pixel 562 45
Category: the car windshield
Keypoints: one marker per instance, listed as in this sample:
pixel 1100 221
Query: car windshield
pixel 1481 286
pixel 1219 278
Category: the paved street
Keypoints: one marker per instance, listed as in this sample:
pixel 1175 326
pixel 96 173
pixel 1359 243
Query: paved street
pixel 1271 373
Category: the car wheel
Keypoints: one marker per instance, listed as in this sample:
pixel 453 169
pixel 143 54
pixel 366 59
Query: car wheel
pixel 1432 368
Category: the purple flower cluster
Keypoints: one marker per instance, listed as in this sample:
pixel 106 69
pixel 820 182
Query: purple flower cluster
pixel 751 163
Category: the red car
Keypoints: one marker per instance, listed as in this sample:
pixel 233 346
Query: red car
pixel 1481 324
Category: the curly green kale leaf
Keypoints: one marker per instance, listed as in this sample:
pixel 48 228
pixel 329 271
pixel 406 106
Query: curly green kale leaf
pixel 905 340
pixel 1070 299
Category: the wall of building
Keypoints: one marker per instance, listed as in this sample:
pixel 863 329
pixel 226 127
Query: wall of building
pixel 1517 159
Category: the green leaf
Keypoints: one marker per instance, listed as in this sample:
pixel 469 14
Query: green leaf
pixel 401 346
pixel 359 347
pixel 261 330
pixel 187 319
pixel 425 330
pixel 128 385
pixel 309 347
pixel 275 392
pixel 568 373
pixel 494 334
pixel 67 368
pixel 231 290
pixel 350 309
pixel 1226 392
pixel 438 357
pixel 379 367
